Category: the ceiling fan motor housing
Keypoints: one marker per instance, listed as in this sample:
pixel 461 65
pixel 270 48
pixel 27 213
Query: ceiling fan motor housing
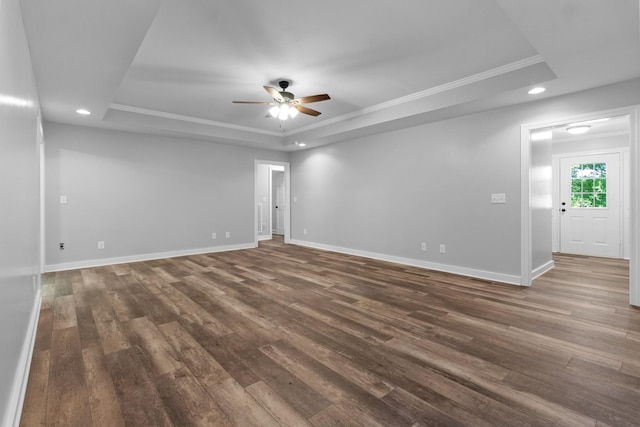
pixel 287 95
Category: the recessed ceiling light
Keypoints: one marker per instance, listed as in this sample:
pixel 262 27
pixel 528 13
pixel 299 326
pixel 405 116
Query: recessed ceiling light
pixel 302 144
pixel 83 111
pixel 577 130
pixel 536 90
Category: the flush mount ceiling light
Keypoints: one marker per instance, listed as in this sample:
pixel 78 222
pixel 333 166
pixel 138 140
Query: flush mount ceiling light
pixel 83 111
pixel 536 90
pixel 579 129
pixel 285 104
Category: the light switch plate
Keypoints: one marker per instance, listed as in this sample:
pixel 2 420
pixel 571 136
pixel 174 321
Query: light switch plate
pixel 499 198
pixel 63 200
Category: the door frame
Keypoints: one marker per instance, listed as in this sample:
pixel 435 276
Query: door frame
pixel 624 227
pixel 287 197
pixel 526 250
pixel 274 213
pixel 557 192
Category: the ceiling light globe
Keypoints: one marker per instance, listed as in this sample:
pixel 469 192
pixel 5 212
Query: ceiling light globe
pixel 274 111
pixel 284 112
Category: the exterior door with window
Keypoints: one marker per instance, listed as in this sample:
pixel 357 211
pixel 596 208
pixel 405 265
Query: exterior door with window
pixel 590 205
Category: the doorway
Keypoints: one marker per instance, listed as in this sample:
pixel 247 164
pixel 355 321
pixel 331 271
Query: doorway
pixel 271 196
pixel 278 204
pixel 590 205
pixel 535 145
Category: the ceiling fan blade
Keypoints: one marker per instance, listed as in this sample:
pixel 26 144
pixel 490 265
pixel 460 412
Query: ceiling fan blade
pixel 306 110
pixel 253 102
pixel 274 92
pixel 313 98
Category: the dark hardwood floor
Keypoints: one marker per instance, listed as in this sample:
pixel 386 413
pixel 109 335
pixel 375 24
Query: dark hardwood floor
pixel 291 336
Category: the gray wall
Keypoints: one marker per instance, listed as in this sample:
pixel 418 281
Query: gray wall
pixel 144 195
pixel 387 193
pixel 20 212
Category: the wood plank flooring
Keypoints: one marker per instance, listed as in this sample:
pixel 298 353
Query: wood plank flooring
pixel 283 335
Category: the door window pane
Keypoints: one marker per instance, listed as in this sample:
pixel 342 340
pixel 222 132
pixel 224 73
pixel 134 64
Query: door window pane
pixel 589 185
pixel 576 186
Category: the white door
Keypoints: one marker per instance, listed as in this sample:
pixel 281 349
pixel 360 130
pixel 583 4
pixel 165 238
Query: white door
pixel 590 205
pixel 278 193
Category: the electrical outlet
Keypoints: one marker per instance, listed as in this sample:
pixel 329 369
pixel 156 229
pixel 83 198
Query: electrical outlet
pixel 228 235
pixel 304 231
pixel 101 244
pixel 61 246
pixel 214 236
pixel 443 249
pixel 423 246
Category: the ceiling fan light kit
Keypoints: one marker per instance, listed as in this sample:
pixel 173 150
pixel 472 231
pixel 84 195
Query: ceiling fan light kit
pixel 283 111
pixel 285 104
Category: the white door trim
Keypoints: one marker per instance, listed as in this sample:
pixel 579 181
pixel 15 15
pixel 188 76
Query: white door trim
pixel 634 201
pixel 287 197
pixel 274 210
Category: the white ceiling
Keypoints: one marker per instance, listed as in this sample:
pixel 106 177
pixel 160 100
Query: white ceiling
pixel 174 67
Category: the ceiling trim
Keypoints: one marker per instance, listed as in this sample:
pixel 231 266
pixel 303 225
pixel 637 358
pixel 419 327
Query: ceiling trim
pixel 172 116
pixel 590 137
pixel 466 81
pixel 494 72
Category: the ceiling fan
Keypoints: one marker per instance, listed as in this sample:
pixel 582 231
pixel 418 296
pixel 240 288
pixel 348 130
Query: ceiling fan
pixel 285 104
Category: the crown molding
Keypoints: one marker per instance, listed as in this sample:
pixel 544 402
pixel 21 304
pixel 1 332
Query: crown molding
pixel 179 117
pixel 494 72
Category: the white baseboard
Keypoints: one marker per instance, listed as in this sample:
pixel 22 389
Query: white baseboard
pixel 21 376
pixel 537 272
pixel 142 257
pixel 267 237
pixel 469 272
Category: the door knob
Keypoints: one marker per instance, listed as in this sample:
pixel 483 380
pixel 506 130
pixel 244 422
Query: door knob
pixel 563 210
